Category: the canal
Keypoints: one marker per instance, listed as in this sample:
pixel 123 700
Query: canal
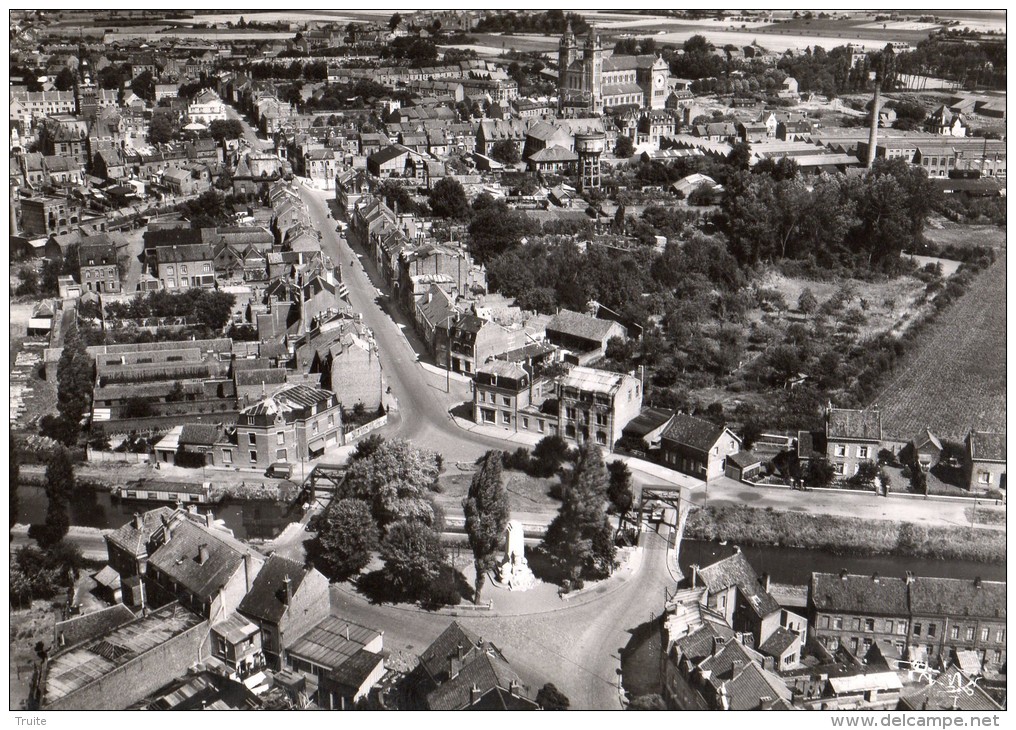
pixel 248 519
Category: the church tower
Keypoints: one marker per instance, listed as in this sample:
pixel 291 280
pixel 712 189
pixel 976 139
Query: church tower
pixel 566 54
pixel 592 60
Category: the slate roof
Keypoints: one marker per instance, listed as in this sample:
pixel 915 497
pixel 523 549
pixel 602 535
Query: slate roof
pixel 986 446
pixel 487 672
pixel 723 665
pixel 845 423
pixel 699 644
pixel 927 437
pixel 778 642
pixel 557 153
pixel 580 325
pixel 647 421
pixel 737 571
pixel 185 253
pixel 388 154
pixel 754 688
pixel 744 459
pixel 435 658
pixel 178 559
pixel 859 594
pixel 264 600
pixel 200 434
pixel 91 625
pixel 258 376
pixel 108 578
pixel 356 670
pixel 696 433
pixel 958 597
pixel 133 539
pixel 502 368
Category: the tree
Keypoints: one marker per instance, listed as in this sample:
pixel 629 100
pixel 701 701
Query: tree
pixel 807 302
pixel 624 147
pixel 549 454
pixel 574 540
pixel 396 479
pixel 162 129
pixel 29 284
pixel 74 382
pixel 395 21
pixel 739 157
pixel 448 199
pixel 505 152
pixel 551 698
pixel 486 510
pixel 346 536
pixel 413 557
pixel 144 85
pixel 619 490
pixel 59 483
pixel 65 80
pixel 223 129
pixel 496 229
pixel 15 482
pixel 867 473
pixel 819 473
pixel 213 308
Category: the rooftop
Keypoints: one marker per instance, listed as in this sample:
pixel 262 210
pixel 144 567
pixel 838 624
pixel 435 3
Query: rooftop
pixel 180 559
pixel 590 379
pixel 986 446
pixel 697 433
pixel 737 571
pixel 845 423
pixel 265 598
pixel 869 594
pixel 332 642
pixel 958 597
pixel 78 667
pixel 583 326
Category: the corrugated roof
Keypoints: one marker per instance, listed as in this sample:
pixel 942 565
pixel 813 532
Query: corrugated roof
pixel 91 625
pixel 333 642
pixel 356 670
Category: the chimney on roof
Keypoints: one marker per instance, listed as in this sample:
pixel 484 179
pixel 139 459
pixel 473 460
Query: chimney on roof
pixel 513 688
pixel 717 644
pixel 736 666
pixel 694 575
pixel 737 549
pixel 766 581
pixel 460 652
pixel 287 591
pixel 474 694
pixel 138 522
pixel 202 554
pixel 248 571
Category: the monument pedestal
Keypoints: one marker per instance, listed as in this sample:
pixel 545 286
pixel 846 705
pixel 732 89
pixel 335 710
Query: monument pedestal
pixel 515 574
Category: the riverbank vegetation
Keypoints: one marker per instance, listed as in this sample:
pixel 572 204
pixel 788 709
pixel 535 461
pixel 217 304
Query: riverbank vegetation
pixel 844 535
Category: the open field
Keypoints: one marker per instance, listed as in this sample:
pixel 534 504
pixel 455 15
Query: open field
pixel 944 232
pixel 956 380
pixel 525 493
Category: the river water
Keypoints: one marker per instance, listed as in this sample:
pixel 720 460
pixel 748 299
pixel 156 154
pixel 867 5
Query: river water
pixel 248 519
pixel 795 565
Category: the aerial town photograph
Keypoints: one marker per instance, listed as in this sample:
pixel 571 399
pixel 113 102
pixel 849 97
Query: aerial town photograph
pixel 508 360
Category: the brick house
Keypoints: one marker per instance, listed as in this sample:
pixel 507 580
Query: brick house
pixel 473 341
pixel 505 395
pixel 596 405
pixel 949 615
pixel 189 265
pixel 286 601
pixel 855 611
pixel 926 449
pixel 295 423
pixel 735 591
pixel 985 461
pixel 852 437
pixel 98 270
pixel 697 447
pixel 48 216
pixel 205 568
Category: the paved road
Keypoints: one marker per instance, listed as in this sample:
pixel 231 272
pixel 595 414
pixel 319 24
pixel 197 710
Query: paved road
pixel 577 647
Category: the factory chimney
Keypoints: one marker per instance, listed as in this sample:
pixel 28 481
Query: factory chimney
pixel 873 133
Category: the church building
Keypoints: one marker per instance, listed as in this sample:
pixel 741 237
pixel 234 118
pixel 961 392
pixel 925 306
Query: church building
pixel 594 82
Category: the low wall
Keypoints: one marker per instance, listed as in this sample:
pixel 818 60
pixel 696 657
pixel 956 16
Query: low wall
pixel 365 429
pixel 116 456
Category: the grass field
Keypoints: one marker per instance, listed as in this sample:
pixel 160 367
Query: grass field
pixel 845 535
pixel 943 232
pixel 956 380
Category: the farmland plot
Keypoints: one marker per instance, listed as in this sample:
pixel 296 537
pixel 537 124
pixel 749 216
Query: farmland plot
pixel 955 381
